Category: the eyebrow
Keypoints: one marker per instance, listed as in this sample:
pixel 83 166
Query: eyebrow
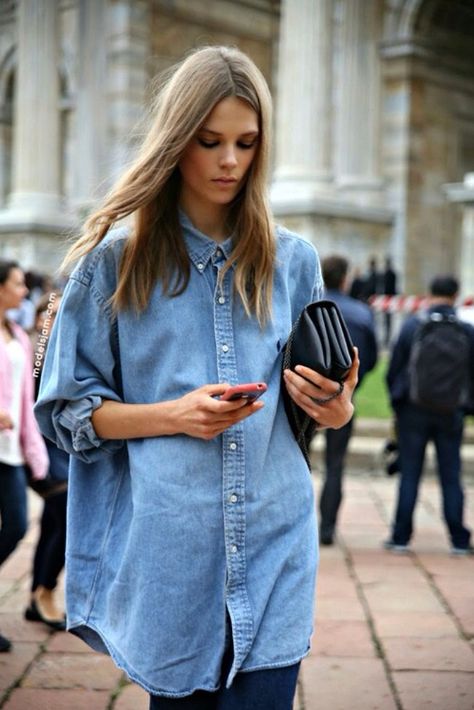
pixel 216 133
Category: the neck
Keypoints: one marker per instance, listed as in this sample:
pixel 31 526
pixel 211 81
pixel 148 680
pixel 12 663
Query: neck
pixel 442 301
pixel 3 318
pixel 210 222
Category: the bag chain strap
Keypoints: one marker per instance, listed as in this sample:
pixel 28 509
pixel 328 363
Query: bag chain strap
pixel 302 425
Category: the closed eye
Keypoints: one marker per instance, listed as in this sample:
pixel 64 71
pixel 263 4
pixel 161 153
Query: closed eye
pixel 207 144
pixel 213 144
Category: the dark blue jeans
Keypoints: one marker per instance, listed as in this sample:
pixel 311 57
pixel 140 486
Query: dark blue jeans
pixel 12 508
pixel 51 548
pixel 416 427
pixel 272 689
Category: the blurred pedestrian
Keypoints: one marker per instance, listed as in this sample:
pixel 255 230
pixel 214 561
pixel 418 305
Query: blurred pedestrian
pixel 389 289
pixel 20 439
pixel 49 556
pixel 430 373
pixel 191 545
pixel 358 288
pixel 373 280
pixel 360 322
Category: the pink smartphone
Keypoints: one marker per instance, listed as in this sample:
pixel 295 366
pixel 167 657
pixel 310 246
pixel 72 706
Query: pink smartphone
pixel 250 392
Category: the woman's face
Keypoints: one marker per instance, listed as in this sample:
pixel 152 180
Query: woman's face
pixel 13 290
pixel 215 163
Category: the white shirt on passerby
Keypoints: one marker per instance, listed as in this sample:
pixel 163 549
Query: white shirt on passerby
pixel 10 448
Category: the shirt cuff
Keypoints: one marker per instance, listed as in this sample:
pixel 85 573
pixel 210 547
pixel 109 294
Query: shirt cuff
pixel 76 418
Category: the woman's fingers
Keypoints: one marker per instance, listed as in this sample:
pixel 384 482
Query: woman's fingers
pixel 202 414
pixel 310 391
pixel 353 376
pixel 301 391
pixel 308 382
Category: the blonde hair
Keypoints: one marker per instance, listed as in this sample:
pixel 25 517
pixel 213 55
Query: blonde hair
pixel 150 189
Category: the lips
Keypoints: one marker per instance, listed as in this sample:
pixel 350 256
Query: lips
pixel 225 180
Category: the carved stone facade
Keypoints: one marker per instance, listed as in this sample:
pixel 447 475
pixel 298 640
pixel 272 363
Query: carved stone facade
pixel 374 115
pixel 397 125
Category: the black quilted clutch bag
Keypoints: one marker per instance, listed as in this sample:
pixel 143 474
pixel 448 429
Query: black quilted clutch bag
pixel 320 340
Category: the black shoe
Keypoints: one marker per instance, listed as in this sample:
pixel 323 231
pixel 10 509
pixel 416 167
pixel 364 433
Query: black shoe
pixel 5 644
pixel 326 539
pixel 32 613
pixel 395 547
pixel 462 551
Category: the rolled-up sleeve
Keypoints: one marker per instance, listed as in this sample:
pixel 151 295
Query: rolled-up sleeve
pixel 81 370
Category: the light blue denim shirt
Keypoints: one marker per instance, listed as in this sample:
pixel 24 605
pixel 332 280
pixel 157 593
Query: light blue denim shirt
pixel 168 534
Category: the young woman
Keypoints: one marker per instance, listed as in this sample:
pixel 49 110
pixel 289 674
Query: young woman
pixel 192 543
pixel 49 556
pixel 20 439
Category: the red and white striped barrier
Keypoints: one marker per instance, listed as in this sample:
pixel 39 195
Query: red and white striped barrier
pixel 408 304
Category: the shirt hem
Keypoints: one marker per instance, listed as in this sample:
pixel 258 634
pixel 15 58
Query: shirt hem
pixel 76 628
pixel 277 664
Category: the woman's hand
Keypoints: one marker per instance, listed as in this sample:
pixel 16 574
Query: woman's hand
pixel 305 385
pixel 201 415
pixel 6 421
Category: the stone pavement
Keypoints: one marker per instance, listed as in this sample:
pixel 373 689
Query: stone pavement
pixel 393 631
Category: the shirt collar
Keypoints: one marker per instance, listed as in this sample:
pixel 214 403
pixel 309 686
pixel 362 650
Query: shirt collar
pixel 202 248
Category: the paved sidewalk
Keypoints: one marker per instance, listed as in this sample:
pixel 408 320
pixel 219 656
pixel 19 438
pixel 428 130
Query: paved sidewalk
pixel 393 631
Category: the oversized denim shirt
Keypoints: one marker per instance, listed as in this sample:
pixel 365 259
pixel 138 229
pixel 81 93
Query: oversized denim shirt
pixel 170 536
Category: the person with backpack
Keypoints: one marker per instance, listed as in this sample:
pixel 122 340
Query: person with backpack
pixel 430 379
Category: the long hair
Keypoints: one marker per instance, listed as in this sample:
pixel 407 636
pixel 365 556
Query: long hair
pixel 150 188
pixel 5 268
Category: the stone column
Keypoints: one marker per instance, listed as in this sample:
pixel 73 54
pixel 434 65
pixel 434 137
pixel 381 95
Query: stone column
pixel 91 122
pixel 463 195
pixel 358 110
pixel 128 41
pixel 303 141
pixel 36 157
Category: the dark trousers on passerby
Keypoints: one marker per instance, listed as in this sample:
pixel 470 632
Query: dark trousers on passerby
pixel 388 328
pixel 12 508
pixel 51 547
pixel 416 427
pixel 337 441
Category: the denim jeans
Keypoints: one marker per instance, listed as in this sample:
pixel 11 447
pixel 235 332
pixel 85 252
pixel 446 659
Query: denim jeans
pixel 271 689
pixel 415 428
pixel 337 441
pixel 12 508
pixel 51 548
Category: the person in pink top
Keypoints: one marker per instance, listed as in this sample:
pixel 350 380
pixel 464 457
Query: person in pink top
pixel 21 442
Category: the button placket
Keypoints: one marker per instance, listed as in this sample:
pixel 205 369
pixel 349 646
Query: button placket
pixel 233 474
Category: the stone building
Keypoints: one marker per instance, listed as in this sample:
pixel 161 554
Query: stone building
pixel 374 116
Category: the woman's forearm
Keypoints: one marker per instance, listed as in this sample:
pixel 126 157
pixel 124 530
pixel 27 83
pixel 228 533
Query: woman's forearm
pixel 117 420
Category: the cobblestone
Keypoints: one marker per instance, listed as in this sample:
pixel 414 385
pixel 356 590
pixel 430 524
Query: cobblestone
pixel 392 632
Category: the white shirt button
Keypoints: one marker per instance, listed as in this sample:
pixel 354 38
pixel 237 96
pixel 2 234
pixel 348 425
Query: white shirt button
pixel 221 299
pixel 200 266
pixel 232 446
pixel 225 348
pixel 233 549
pixel 233 498
pixel 218 253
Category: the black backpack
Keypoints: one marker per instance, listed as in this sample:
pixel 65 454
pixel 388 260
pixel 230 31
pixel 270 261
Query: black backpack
pixel 439 365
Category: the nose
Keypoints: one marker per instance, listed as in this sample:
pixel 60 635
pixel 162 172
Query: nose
pixel 228 158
